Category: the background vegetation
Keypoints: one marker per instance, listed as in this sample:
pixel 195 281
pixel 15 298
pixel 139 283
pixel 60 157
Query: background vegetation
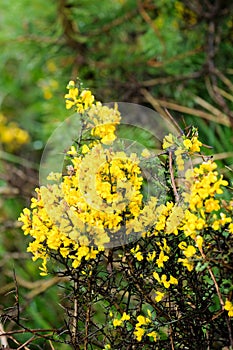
pixel 163 54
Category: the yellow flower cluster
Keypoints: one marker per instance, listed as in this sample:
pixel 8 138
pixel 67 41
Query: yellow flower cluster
pixel 168 141
pixel 12 136
pixel 203 206
pixel 205 185
pixel 182 147
pixel 137 253
pixel 80 100
pixel 49 236
pixel 85 207
pixel 141 327
pixel 103 121
pixel 192 145
pixel 163 279
pixel 120 322
pixel 189 251
pixel 229 307
pixel 99 195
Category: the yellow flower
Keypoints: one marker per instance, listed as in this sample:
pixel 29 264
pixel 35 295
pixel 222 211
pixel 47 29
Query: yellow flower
pixel 187 143
pixel 159 296
pixel 70 85
pixel 199 242
pixel 139 332
pixel 211 205
pixel 162 258
pixel 164 281
pixel 189 251
pixel 125 317
pixel 192 145
pixel 230 227
pixel 182 245
pixel 82 101
pixel 156 276
pixel 145 153
pixel 11 135
pixel 196 144
pixel 187 263
pixel 137 253
pixel 72 96
pixel 85 149
pixel 151 256
pixel 153 334
pixel 173 280
pixel 139 256
pixel 142 320
pixel 117 323
pixel 168 141
pixel 43 268
pixel 229 307
pixel 87 98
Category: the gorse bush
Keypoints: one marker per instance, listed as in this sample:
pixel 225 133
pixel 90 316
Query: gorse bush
pixel 147 257
pixel 12 137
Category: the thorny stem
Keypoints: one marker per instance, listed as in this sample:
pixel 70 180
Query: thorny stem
pixel 218 293
pixel 88 316
pixel 170 327
pixel 172 178
pixel 213 278
pixel 146 296
pixel 74 319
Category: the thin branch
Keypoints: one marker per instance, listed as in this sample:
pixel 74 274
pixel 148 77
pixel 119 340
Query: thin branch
pixel 183 109
pixel 74 317
pixel 16 296
pixel 177 198
pixel 88 316
pixel 3 338
pixel 170 79
pixel 23 346
pixel 211 108
pixel 212 277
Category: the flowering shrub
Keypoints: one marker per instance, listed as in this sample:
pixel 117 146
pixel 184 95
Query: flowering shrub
pixel 12 137
pixel 149 273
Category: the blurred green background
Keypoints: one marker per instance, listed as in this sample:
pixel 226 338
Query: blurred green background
pixel 161 54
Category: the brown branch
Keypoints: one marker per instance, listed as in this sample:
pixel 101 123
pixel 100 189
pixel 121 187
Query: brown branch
pixel 74 318
pixel 88 316
pixel 157 106
pixel 24 330
pixel 171 79
pixel 3 338
pixel 183 109
pixel 210 108
pixel 212 277
pixel 23 346
pixel 178 57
